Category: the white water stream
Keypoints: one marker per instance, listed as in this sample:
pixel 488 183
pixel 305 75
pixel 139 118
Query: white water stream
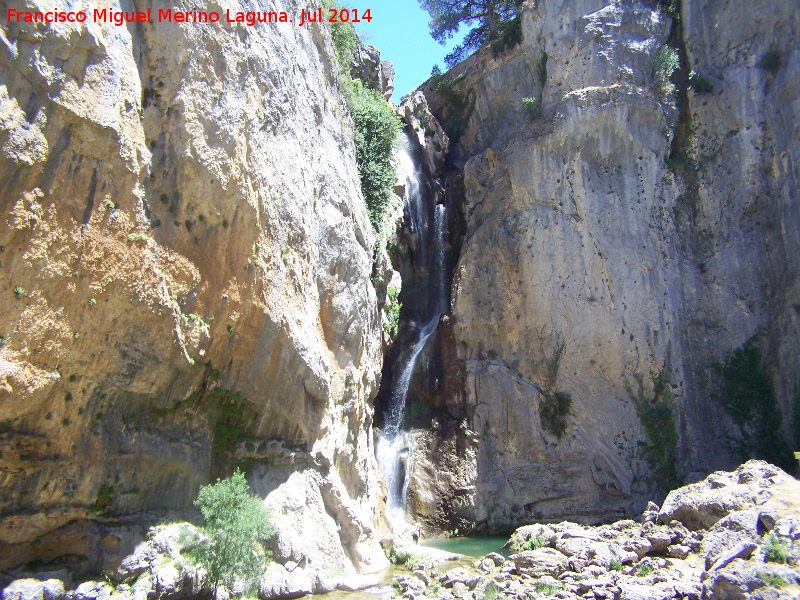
pixel 393 442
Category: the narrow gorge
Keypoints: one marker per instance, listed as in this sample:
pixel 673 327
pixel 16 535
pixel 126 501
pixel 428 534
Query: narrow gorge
pixel 582 293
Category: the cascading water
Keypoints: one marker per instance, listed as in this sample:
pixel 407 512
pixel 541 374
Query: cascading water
pixel 393 442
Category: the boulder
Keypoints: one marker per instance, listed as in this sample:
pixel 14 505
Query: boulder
pixel 541 560
pixel 701 505
pixel 33 589
pixel 678 551
pixel 636 591
pixel 742 550
pixel 278 583
pixel 659 539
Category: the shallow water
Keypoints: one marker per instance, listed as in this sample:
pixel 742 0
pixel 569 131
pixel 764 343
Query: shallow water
pixel 470 547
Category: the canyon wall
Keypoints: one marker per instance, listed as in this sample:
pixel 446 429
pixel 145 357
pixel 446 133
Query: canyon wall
pixel 185 272
pixel 620 239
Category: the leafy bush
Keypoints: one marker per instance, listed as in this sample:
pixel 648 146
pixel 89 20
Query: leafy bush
pixel 657 416
pixel 747 394
pixel 771 62
pixel 235 524
pixel 614 565
pixel 665 63
pixel 20 292
pixel 393 312
pixel 700 83
pixel 344 36
pixel 644 569
pixel 553 412
pixel 773 580
pixel 775 550
pixel 532 107
pixel 509 35
pixel 376 128
pixel 541 69
pixel 533 543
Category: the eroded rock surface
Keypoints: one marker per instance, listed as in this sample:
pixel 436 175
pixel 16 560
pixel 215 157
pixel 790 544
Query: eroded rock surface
pixel 182 229
pixel 596 264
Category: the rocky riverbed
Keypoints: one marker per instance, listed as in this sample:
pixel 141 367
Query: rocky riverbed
pixel 733 535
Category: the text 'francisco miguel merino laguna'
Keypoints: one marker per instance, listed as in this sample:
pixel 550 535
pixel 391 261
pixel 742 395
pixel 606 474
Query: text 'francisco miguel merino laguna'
pixel 119 18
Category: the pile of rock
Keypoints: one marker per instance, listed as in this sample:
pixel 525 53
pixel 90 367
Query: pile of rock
pixel 733 535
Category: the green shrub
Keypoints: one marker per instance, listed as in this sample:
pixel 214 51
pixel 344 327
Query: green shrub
pixel 532 107
pixel 235 524
pixel 541 69
pixel 376 128
pixel 775 550
pixel 533 543
pixel 644 569
pixel 657 415
pixel 771 62
pixel 665 63
pixel 772 580
pixel 614 565
pixel 745 391
pixel 509 35
pixel 553 412
pixel 700 83
pixel 20 292
pixel 393 312
pixel 344 36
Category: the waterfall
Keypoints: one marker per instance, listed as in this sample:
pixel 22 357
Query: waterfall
pixel 406 164
pixel 393 444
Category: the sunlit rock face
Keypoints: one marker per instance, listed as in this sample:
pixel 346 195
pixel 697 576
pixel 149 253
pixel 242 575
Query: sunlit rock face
pixel 181 212
pixel 593 266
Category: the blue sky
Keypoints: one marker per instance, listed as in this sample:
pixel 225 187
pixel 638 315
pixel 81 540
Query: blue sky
pixel 399 29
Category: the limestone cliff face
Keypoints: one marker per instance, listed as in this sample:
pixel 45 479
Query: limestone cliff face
pixel 592 267
pixel 180 213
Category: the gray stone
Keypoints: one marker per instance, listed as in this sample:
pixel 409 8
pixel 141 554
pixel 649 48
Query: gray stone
pixel 679 551
pixel 277 583
pixel 635 591
pixel 741 550
pixel 34 589
pixel 542 560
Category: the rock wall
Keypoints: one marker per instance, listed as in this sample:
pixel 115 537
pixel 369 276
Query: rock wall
pixel 182 228
pixel 595 263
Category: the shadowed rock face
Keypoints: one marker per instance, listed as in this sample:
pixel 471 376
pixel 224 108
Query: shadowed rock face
pixel 591 265
pixel 175 196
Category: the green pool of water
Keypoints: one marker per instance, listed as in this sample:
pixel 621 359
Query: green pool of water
pixel 472 547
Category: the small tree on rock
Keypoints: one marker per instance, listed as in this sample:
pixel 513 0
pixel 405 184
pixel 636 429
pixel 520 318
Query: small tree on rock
pixel 235 524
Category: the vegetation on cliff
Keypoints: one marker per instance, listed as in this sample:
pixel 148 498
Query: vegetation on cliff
pixel 375 126
pixel 491 20
pixel 745 390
